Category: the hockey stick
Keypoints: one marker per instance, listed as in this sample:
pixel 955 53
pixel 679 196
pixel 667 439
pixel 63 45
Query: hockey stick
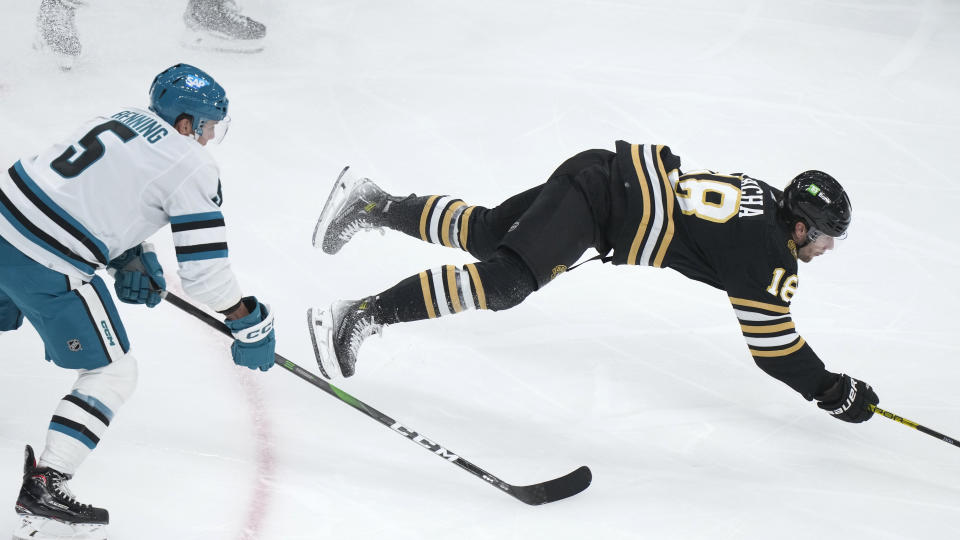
pixel 914 425
pixel 534 494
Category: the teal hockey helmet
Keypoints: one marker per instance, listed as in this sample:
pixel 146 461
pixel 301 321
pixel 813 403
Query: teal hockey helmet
pixel 187 90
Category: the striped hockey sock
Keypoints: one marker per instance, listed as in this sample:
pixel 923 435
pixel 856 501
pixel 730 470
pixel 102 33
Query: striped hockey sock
pixel 83 415
pixel 496 284
pixel 432 293
pixel 437 219
pixel 75 430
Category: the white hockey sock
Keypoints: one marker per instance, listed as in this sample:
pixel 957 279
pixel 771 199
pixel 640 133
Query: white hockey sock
pixel 83 415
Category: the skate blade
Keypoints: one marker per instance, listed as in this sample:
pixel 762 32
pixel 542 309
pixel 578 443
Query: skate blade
pixel 205 41
pixel 41 528
pixel 338 194
pixel 321 335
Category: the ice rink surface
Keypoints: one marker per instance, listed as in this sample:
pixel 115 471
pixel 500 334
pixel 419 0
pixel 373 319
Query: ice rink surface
pixel 636 372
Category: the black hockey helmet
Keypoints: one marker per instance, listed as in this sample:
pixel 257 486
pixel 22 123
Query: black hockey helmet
pixel 819 201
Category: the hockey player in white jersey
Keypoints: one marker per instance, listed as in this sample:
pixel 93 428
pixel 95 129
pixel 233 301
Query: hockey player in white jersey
pixel 88 203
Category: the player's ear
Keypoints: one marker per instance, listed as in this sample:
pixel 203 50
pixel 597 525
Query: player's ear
pixel 799 230
pixel 184 126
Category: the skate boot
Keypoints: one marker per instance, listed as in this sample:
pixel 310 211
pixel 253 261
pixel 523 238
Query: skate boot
pixel 57 31
pixel 355 204
pixel 338 332
pixel 47 508
pixel 219 25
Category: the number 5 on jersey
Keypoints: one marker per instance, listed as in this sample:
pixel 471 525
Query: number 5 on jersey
pixel 69 166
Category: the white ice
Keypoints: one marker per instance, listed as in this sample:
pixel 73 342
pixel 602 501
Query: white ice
pixel 638 373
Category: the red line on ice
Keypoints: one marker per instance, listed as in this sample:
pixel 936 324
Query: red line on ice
pixel 259 504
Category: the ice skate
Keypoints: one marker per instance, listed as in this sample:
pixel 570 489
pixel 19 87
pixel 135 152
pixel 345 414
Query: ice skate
pixel 338 332
pixel 353 205
pixel 48 510
pixel 218 25
pixel 57 31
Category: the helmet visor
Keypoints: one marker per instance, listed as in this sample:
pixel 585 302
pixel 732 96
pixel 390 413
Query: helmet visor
pixel 213 131
pixel 823 240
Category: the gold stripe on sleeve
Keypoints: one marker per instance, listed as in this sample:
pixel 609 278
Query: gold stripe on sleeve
pixel 779 352
pixel 427 297
pixel 445 226
pixel 423 217
pixel 478 286
pixel 452 288
pixel 635 246
pixel 758 329
pixel 465 223
pixel 754 304
pixel 668 188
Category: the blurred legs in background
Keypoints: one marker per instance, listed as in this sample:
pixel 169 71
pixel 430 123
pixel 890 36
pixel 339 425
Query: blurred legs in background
pixel 57 30
pixel 210 24
pixel 219 25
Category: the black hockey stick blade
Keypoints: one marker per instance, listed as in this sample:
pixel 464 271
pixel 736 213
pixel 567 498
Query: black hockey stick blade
pixel 534 494
pixel 554 490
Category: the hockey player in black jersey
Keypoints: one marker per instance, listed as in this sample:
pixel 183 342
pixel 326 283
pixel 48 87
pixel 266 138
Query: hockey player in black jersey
pixel 730 231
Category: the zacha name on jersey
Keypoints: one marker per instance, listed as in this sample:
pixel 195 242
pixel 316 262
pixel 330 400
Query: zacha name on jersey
pixel 151 128
pixel 751 197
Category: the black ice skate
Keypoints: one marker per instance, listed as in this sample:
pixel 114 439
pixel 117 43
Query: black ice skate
pixel 47 508
pixel 57 31
pixel 354 205
pixel 219 25
pixel 338 332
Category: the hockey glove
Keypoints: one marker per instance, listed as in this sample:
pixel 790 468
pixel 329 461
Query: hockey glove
pixel 848 400
pixel 138 275
pixel 254 342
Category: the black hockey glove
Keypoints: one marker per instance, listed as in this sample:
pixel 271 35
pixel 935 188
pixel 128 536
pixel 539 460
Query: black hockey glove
pixel 848 400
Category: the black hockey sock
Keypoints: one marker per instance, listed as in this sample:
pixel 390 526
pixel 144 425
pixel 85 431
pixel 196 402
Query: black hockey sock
pixel 437 219
pixel 499 283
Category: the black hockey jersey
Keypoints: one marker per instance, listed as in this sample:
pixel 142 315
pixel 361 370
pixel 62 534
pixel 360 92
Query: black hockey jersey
pixel 722 230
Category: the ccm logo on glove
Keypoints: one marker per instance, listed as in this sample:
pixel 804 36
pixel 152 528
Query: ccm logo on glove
pixel 254 338
pixel 257 333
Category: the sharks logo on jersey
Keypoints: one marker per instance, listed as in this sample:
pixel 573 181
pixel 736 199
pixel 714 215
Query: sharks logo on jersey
pixel 218 198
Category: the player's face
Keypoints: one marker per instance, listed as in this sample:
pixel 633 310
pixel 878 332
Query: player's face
pixel 818 245
pixel 209 132
pixel 213 131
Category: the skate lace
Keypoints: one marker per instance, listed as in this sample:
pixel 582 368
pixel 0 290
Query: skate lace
pixel 358 224
pixel 364 328
pixel 232 12
pixel 63 491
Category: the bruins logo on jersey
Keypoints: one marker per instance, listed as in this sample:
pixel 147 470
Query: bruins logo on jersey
pixel 792 246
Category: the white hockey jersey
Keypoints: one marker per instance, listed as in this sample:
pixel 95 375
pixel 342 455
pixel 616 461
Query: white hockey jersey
pixel 115 182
